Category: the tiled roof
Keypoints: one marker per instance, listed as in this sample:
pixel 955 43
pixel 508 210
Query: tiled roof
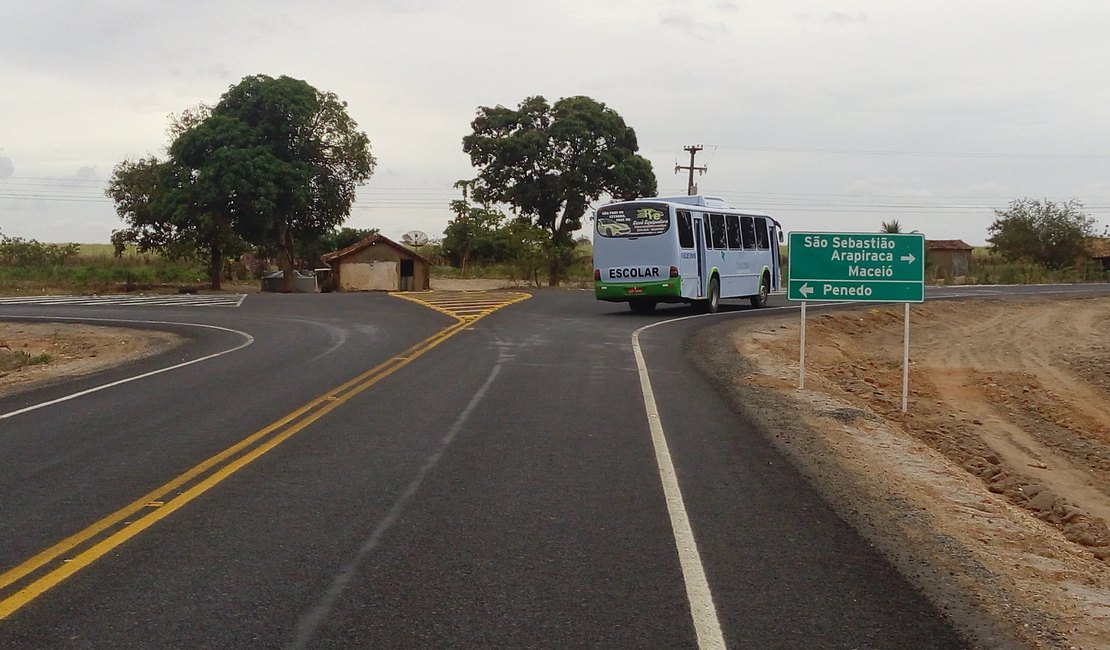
pixel 370 241
pixel 946 245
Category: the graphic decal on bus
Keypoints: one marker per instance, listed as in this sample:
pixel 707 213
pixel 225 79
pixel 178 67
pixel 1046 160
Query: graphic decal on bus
pixel 639 221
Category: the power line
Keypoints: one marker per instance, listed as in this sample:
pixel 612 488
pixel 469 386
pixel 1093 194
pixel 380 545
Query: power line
pixel 923 154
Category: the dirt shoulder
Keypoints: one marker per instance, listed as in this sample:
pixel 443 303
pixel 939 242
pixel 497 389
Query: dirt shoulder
pixel 69 350
pixel 993 492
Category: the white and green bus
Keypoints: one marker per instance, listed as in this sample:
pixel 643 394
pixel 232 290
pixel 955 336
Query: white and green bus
pixel 692 249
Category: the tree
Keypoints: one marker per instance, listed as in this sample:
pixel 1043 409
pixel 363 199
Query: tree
pixel 165 211
pixel 891 227
pixel 185 206
pixel 308 150
pixel 474 229
pixel 1047 233
pixel 273 163
pixel 344 237
pixel 550 162
pixel 336 239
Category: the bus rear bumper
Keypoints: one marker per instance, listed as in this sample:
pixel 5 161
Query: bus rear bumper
pixel 669 290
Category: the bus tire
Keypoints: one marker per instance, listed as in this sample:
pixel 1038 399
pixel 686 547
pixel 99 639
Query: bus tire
pixel 760 299
pixel 713 297
pixel 642 306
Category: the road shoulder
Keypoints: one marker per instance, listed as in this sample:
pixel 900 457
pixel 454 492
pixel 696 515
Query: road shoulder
pixel 1004 577
pixel 70 350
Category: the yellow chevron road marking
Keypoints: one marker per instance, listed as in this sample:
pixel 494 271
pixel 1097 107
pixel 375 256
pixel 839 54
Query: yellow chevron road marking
pixel 464 304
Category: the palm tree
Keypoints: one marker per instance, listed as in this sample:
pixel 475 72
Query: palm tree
pixel 891 226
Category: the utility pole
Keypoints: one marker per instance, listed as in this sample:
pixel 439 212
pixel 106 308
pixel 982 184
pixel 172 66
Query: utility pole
pixel 691 187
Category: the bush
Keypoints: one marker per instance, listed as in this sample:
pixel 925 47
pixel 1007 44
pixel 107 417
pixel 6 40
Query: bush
pixel 1050 234
pixel 16 251
pixel 29 267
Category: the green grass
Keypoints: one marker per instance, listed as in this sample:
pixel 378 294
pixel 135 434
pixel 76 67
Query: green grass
pixel 96 269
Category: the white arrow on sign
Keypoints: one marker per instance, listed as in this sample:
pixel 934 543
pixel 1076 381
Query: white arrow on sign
pixel 805 290
pixel 908 258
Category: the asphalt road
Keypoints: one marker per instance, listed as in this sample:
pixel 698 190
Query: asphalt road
pixel 344 477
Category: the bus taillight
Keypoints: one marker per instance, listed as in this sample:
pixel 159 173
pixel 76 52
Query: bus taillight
pixel 674 271
pixel 597 275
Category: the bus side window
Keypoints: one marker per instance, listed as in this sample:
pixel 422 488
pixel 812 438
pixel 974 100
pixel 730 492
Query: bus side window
pixel 685 230
pixel 748 227
pixel 717 226
pixel 761 239
pixel 732 229
pixel 705 231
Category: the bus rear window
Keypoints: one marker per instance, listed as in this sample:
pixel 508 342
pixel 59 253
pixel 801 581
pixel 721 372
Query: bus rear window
pixel 635 220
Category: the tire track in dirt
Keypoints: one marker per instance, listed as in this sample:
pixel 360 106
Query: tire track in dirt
pixel 1009 348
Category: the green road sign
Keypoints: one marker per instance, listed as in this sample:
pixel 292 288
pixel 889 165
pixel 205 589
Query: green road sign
pixel 857 266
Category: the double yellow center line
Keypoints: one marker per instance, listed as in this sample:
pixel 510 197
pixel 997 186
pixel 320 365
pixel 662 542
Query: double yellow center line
pixel 31 578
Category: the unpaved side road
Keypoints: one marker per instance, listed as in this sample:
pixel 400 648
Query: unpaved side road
pixel 993 492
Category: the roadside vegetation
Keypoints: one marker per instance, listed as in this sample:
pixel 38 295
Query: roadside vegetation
pixel 29 267
pixel 14 360
pixel 1031 242
pixel 498 252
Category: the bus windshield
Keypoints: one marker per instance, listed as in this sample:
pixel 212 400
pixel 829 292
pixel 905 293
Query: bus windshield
pixel 635 220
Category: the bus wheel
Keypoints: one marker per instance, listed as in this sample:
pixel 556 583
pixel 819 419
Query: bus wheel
pixel 642 306
pixel 760 299
pixel 713 300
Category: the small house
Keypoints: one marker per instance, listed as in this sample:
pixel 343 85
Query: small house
pixel 377 263
pixel 1099 250
pixel 950 257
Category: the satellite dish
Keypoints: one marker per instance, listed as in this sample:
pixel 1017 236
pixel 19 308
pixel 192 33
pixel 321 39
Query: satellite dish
pixel 414 238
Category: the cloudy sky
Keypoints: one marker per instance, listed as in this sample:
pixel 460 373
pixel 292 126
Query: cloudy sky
pixel 829 115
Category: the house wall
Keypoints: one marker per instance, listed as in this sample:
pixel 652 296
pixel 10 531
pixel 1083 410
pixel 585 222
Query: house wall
pixel 378 268
pixel 950 263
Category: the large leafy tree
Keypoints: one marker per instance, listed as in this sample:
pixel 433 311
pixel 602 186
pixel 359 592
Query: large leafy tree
pixel 274 162
pixel 174 207
pixel 321 158
pixel 549 162
pixel 1048 233
pixel 162 206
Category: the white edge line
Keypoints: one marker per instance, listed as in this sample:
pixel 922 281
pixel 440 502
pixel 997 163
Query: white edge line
pixel 702 609
pixel 248 339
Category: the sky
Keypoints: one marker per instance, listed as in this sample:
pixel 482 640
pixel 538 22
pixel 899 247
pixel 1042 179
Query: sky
pixel 832 116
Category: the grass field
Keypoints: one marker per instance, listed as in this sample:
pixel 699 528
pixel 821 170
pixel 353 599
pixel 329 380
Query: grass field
pixel 96 269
